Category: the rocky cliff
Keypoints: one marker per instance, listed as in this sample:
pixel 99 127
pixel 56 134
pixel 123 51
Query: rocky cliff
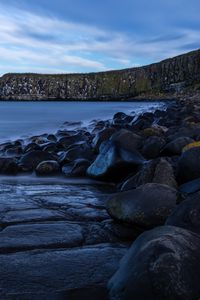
pixel 171 76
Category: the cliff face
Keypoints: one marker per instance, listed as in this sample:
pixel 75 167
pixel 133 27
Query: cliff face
pixel 170 76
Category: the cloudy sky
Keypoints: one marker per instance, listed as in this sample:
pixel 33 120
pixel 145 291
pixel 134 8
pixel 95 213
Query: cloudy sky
pixel 61 36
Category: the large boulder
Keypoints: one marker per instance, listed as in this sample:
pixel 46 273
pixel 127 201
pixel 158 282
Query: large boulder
pixel 176 146
pixel 187 214
pixel 31 160
pixel 114 162
pixel 152 146
pixel 147 206
pixel 48 167
pixel 155 171
pixel 127 140
pixel 189 165
pixel 101 137
pixel 163 264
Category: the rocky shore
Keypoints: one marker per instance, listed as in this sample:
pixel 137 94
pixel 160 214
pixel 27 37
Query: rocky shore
pixel 150 170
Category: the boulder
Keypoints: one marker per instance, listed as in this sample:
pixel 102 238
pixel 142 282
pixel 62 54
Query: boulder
pixel 155 171
pixel 187 214
pixel 66 141
pixel 31 146
pixel 163 263
pixel 176 146
pixel 79 150
pixel 114 162
pixel 189 165
pixel 8 166
pixel 102 136
pixel 48 167
pixel 31 160
pixel 77 169
pixel 147 206
pixel 152 147
pixel 127 140
pixel 190 187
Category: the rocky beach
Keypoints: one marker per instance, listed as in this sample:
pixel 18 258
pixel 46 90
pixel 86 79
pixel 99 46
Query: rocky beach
pixel 130 190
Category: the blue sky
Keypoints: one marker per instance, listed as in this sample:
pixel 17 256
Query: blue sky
pixel 62 36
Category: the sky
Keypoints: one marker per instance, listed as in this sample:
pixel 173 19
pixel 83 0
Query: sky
pixel 66 36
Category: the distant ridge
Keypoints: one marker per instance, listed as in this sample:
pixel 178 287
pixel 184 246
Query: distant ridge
pixel 169 77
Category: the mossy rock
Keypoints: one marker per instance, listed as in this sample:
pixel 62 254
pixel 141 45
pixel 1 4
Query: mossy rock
pixel 151 132
pixel 191 145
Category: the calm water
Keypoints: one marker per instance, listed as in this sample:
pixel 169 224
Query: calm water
pixel 23 119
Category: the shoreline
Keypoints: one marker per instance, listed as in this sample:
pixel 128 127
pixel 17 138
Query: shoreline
pixel 148 189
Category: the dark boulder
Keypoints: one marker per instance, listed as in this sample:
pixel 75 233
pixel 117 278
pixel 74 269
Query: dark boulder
pixel 152 147
pixel 31 147
pixel 31 160
pixel 8 166
pixel 163 264
pixel 147 206
pixel 102 136
pixel 79 150
pixel 66 141
pixel 114 162
pixel 76 169
pixel 190 187
pixel 187 214
pixel 127 140
pixel 189 165
pixel 48 167
pixel 15 151
pixel 155 171
pixel 176 146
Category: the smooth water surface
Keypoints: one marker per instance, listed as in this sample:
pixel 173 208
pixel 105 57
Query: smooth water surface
pixel 23 119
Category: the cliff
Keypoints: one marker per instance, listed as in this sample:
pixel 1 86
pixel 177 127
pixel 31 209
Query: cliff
pixel 172 76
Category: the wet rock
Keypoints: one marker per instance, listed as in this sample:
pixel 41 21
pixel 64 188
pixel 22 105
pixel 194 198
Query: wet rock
pixel 31 160
pixel 153 131
pixel 189 165
pixel 48 167
pixel 14 151
pixel 31 215
pixel 77 169
pixel 66 141
pixel 31 147
pixel 79 150
pixel 162 263
pixel 35 236
pixel 50 147
pixel 114 162
pixel 176 146
pixel 152 147
pixel 147 206
pixel 187 214
pixel 155 171
pixel 58 270
pixel 102 136
pixel 190 187
pixel 40 139
pixel 127 140
pixel 164 173
pixel 52 137
pixel 8 166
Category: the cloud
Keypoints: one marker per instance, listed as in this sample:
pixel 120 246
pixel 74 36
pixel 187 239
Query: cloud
pixel 35 42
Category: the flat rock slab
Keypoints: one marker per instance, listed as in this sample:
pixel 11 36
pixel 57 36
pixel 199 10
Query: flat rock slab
pixel 31 215
pixel 41 271
pixel 35 236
